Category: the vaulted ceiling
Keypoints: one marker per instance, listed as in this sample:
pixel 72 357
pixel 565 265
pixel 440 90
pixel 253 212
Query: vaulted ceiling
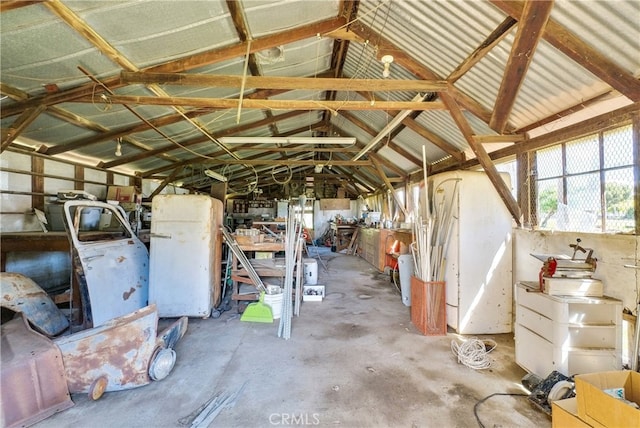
pixel 166 81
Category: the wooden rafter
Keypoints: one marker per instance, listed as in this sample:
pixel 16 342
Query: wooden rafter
pixel 242 29
pixel 289 83
pixel 591 59
pixel 270 104
pixel 7 5
pixel 578 130
pixel 75 22
pixel 349 11
pixel 257 45
pixel 481 51
pixel 505 138
pixel 530 28
pixel 483 158
pixel 411 123
pixel 380 171
pixel 20 125
pixel 169 178
pixel 365 127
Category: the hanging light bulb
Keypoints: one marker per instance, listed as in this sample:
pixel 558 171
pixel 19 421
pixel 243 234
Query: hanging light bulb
pixel 386 60
pixel 119 148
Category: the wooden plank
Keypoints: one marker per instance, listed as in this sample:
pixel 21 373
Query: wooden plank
pixel 335 204
pixel 354 237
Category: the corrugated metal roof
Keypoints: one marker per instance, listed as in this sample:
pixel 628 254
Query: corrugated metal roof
pixel 39 48
pixel 618 39
pixel 268 17
pixel 170 29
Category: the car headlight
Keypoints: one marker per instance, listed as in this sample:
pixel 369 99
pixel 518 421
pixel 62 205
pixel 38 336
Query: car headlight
pixel 162 363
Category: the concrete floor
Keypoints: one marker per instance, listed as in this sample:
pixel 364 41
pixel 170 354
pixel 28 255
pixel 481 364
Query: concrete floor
pixel 353 360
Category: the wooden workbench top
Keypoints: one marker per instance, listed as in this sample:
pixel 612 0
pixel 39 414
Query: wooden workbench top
pixel 263 246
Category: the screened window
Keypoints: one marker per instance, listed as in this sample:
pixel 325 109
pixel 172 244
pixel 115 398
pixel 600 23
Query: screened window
pixel 587 184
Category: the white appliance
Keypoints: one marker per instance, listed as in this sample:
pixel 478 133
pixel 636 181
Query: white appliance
pixel 185 254
pixel 478 271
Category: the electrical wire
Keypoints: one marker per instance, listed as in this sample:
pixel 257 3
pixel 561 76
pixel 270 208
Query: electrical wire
pixel 474 353
pixel 286 180
pixel 475 407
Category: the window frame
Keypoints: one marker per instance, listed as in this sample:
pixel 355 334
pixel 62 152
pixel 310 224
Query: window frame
pixel 533 165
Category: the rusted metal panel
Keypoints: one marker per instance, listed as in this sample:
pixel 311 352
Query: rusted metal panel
pixel 119 350
pixel 33 378
pixel 23 295
pixel 172 334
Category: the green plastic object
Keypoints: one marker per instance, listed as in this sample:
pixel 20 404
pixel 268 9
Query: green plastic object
pixel 257 312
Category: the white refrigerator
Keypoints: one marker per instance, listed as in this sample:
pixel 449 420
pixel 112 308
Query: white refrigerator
pixel 478 270
pixel 185 254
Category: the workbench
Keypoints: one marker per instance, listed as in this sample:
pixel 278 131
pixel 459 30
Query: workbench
pixel 265 268
pixel 377 245
pixel 274 226
pixel 341 235
pixel 274 268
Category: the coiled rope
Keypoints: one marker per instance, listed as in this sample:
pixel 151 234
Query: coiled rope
pixel 474 353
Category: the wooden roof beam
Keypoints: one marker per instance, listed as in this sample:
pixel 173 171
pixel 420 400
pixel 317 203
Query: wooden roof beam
pixel 530 28
pixel 588 57
pixel 277 82
pixel 484 159
pixel 481 51
pixel 269 104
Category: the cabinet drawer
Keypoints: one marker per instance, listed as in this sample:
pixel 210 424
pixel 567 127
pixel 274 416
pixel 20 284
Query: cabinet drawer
pixel 589 361
pixel 533 353
pixel 535 322
pixel 589 336
pixel 588 313
pixel 536 301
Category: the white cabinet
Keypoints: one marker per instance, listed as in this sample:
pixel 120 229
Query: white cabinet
pixel 572 335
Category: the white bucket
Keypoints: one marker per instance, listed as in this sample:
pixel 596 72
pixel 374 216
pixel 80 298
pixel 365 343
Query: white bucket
pixel 90 218
pixel 273 298
pixel 310 271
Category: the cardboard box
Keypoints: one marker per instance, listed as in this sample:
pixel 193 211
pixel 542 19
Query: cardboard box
pixel 564 414
pixel 124 194
pixel 313 293
pixel 598 408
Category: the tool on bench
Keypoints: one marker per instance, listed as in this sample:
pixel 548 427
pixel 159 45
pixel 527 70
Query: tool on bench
pixel 562 266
